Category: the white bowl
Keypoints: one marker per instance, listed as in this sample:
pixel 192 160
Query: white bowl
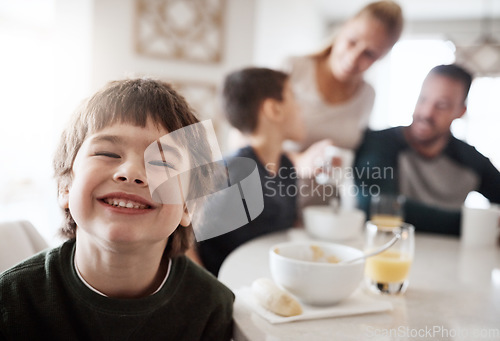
pixel 294 268
pixel 322 222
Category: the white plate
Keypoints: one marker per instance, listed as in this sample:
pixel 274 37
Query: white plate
pixel 356 304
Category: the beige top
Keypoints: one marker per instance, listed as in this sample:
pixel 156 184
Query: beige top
pixel 342 123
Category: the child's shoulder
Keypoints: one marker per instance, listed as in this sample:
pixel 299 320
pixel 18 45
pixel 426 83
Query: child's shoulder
pixel 38 276
pixel 36 267
pixel 192 274
pixel 234 159
pixel 196 289
pixel 246 151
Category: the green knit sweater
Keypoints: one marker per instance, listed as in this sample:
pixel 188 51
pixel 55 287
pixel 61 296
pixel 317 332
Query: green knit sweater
pixel 42 298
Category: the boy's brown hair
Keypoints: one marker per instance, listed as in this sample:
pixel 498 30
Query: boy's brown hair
pixel 132 101
pixel 245 91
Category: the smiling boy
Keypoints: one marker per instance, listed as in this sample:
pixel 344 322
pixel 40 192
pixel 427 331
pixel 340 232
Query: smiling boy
pixel 122 275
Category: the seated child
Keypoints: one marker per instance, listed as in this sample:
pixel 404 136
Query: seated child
pixel 122 273
pixel 259 102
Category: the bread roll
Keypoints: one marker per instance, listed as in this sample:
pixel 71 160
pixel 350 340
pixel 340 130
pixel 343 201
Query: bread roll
pixel 274 299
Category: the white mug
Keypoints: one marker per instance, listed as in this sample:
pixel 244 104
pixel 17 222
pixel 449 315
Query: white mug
pixel 480 226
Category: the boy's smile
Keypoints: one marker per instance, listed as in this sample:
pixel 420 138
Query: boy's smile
pixel 126 203
pixel 109 196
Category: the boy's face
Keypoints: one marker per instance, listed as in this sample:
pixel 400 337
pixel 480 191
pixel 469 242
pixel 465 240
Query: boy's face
pixel 109 196
pixel 293 125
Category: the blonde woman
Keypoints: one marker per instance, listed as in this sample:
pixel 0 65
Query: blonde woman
pixel 335 99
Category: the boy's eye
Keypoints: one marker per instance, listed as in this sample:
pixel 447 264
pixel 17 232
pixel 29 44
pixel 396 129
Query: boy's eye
pixel 161 163
pixel 107 154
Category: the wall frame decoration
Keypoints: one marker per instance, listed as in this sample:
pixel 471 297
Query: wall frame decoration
pixel 185 30
pixel 201 96
pixel 482 57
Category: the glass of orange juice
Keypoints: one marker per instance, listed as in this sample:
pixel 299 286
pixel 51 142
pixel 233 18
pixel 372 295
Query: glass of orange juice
pixel 387 209
pixel 388 271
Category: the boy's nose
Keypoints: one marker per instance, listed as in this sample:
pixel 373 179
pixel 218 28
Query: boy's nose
pixel 125 179
pixel 131 173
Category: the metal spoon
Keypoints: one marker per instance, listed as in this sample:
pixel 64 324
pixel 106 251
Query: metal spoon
pixel 397 236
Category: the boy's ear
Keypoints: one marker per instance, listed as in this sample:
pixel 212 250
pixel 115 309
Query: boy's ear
pixel 63 197
pixel 185 219
pixel 273 110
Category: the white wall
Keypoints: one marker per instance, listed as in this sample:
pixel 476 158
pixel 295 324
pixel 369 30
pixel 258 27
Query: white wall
pixel 113 55
pixel 73 36
pixel 44 68
pixel 284 28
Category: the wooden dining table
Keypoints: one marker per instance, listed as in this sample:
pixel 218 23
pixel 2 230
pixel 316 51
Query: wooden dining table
pixel 453 294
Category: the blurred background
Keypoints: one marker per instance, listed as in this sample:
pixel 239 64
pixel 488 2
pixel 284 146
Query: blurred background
pixel 54 53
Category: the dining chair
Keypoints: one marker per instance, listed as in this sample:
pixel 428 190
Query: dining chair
pixel 18 241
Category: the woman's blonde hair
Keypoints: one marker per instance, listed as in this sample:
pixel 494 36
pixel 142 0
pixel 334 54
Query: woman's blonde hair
pixel 387 12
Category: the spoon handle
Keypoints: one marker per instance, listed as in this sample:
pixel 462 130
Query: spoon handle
pixel 384 247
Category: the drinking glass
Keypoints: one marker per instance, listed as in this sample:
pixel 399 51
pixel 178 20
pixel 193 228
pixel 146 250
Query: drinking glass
pixel 387 210
pixel 388 271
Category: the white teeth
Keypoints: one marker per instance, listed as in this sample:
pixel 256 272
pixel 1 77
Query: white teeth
pixel 125 204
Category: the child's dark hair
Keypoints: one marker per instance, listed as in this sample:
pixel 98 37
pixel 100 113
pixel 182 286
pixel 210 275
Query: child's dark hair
pixel 244 92
pixel 455 72
pixel 130 101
